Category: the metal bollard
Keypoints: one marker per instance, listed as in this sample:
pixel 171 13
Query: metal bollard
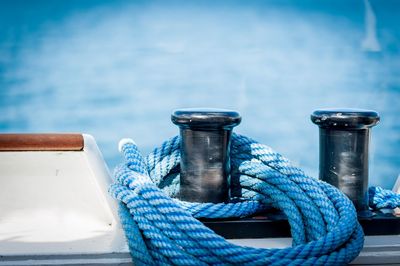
pixel 343 151
pixel 205 144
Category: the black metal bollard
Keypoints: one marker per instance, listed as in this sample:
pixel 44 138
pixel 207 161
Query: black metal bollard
pixel 205 145
pixel 343 151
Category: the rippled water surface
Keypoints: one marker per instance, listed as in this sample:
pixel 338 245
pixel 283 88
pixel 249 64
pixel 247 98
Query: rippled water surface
pixel 118 69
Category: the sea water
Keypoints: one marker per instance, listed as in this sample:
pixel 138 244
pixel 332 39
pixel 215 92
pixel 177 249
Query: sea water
pixel 118 69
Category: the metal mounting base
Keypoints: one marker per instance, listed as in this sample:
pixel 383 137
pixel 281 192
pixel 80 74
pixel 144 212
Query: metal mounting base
pixel 275 224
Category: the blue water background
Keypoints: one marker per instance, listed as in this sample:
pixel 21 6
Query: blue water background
pixel 118 69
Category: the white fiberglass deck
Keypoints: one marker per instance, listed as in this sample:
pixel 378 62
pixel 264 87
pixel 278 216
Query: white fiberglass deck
pixel 55 203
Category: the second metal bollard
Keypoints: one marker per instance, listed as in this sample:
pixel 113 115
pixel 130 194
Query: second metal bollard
pixel 343 150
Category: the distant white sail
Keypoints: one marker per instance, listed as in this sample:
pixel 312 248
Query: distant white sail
pixel 370 42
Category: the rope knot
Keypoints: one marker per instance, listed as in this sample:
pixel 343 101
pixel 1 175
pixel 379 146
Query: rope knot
pixel 380 198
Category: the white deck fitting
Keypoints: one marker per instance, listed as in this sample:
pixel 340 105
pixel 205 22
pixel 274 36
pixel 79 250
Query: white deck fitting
pixel 396 188
pixel 54 208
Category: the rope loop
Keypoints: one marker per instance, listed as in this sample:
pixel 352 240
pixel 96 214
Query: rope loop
pixel 162 230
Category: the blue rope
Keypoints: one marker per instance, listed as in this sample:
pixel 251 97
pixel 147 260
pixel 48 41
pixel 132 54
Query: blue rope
pixel 380 198
pixel 164 231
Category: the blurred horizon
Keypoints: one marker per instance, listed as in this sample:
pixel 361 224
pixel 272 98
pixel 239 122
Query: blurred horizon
pixel 118 69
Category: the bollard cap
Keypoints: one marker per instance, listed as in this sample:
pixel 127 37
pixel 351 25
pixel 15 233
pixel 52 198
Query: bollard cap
pixel 345 118
pixel 206 118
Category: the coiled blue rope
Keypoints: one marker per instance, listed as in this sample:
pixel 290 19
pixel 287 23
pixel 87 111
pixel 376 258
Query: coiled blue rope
pixel 164 231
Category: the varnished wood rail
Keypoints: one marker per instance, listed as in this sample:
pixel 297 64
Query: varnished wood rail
pixel 41 142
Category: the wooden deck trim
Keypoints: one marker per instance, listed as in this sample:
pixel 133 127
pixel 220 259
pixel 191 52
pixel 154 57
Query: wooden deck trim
pixel 41 142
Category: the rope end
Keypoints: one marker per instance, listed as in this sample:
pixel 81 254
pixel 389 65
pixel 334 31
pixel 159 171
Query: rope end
pixel 124 141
